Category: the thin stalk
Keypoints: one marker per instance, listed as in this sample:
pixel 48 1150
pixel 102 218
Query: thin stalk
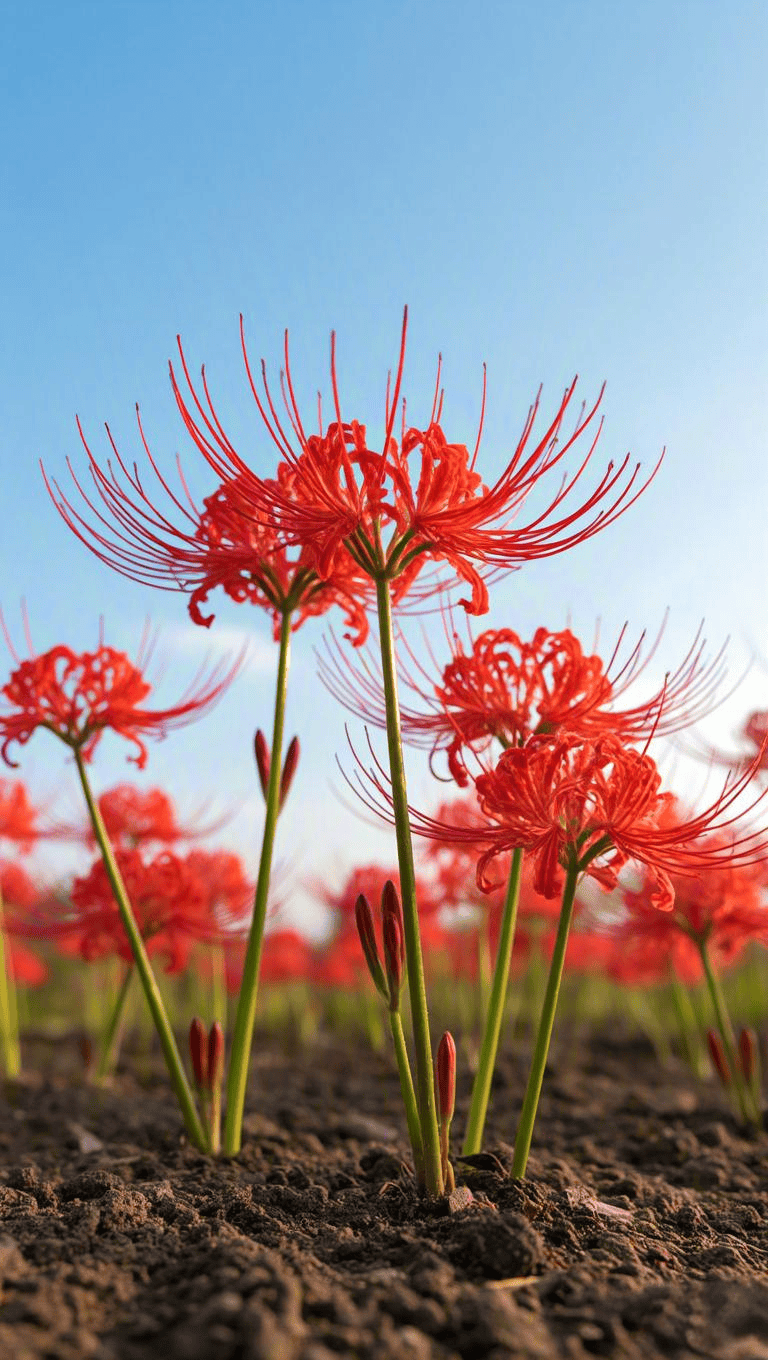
pixel 111 1037
pixel 245 1016
pixel 433 1176
pixel 408 1093
pixel 481 1088
pixel 689 1028
pixel 723 1022
pixel 143 966
pixel 9 1014
pixel 544 1033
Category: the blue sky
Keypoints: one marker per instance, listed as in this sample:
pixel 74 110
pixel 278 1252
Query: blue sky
pixel 553 189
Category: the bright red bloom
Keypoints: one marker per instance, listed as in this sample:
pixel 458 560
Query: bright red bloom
pixel 226 888
pixel 170 902
pixel 370 879
pixel 566 799
pixel 505 689
pixel 723 910
pixel 80 696
pixel 18 817
pixel 287 957
pixel 334 493
pixel 227 543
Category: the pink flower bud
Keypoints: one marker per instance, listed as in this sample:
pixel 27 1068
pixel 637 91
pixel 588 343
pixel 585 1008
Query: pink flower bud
pixel 393 935
pixel 719 1060
pixel 215 1056
pixel 748 1052
pixel 289 769
pixel 263 760
pixel 445 1078
pixel 364 922
pixel 198 1052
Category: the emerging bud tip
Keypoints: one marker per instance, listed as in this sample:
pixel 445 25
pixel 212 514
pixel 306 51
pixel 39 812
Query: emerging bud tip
pixel 215 1055
pixel 289 769
pixel 364 922
pixel 393 934
pixel 263 760
pixel 445 1078
pixel 748 1053
pixel 198 1052
pixel 718 1056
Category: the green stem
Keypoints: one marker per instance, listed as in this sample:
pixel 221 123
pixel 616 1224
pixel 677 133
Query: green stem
pixel 111 1037
pixel 245 1015
pixel 408 1093
pixel 481 1088
pixel 9 1014
pixel 143 966
pixel 433 1176
pixel 725 1029
pixel 544 1034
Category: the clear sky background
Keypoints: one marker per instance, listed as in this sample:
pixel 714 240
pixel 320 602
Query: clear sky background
pixel 553 188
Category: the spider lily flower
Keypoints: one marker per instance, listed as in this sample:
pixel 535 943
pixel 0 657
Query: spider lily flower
pixel 594 804
pixel 165 540
pixel 79 696
pixel 722 909
pixel 502 688
pixel 18 816
pixel 334 496
pixel 333 499
pixel 599 804
pixel 170 902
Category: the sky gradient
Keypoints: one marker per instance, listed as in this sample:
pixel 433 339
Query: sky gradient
pixel 552 188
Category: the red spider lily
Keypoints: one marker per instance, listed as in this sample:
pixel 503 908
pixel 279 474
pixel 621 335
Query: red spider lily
pixel 569 798
pixel 18 817
pixel 723 910
pixel 570 801
pixel 505 689
pixel 227 890
pixel 170 901
pixel 227 543
pixel 333 497
pixel 80 696
pixel 336 490
pixel 370 880
pixel 133 816
pixel 647 960
pixel 19 891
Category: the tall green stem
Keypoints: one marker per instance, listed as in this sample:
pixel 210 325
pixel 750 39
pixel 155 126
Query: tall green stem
pixel 245 1016
pixel 544 1034
pixel 725 1029
pixel 408 1093
pixel 111 1036
pixel 433 1176
pixel 481 1088
pixel 9 1014
pixel 143 966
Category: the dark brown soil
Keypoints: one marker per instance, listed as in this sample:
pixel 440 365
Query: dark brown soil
pixel 640 1230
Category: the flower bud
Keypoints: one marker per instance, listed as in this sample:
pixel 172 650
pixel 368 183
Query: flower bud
pixel 215 1055
pixel 364 922
pixel 445 1078
pixel 289 769
pixel 198 1052
pixel 263 760
pixel 393 935
pixel 719 1059
pixel 748 1053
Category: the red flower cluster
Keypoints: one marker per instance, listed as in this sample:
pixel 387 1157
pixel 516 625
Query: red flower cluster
pixel 80 696
pixel 332 502
pixel 170 899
